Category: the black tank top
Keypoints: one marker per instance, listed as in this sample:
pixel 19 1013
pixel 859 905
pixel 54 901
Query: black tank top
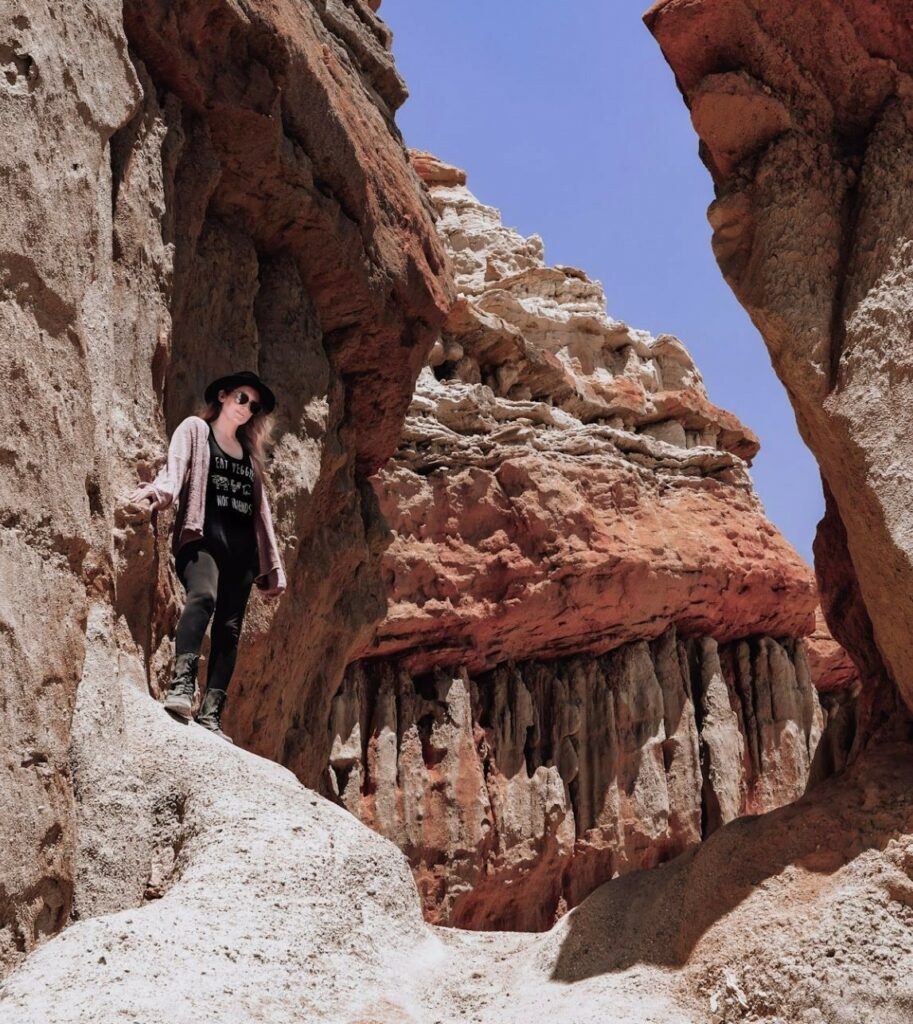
pixel 229 520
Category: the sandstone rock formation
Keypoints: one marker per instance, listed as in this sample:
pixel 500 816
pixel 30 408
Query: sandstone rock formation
pixel 517 791
pixel 805 116
pixel 577 675
pixel 563 482
pixel 249 897
pixel 191 187
pixel 830 666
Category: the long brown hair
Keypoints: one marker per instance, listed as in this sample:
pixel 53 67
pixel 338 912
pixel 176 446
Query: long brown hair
pixel 255 435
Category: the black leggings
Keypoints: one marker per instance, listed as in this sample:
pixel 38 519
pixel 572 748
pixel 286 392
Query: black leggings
pixel 214 583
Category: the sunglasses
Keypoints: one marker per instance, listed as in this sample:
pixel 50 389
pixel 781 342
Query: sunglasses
pixel 242 398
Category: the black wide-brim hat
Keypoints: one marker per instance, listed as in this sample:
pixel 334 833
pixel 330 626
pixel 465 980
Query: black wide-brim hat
pixel 235 380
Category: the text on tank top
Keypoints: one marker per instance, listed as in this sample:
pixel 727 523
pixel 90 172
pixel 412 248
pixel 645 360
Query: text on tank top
pixel 230 501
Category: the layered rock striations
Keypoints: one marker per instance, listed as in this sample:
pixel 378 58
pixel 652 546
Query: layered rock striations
pixel 563 482
pixel 809 148
pixel 192 188
pixel 590 657
pixel 200 881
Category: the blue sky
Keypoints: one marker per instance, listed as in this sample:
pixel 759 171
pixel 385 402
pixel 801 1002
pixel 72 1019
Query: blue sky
pixel 567 118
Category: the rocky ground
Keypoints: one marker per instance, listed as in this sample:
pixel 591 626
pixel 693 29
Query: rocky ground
pixel 261 901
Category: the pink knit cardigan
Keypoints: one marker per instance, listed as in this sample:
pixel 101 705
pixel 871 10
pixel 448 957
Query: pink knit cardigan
pixel 184 476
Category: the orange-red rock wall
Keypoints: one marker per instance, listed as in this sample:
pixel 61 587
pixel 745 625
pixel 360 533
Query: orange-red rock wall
pixel 592 650
pixel 805 118
pixel 194 188
pixel 517 791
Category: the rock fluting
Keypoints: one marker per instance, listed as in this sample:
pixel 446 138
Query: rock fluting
pixel 515 792
pixel 198 188
pixel 225 889
pixel 578 673
pixel 195 184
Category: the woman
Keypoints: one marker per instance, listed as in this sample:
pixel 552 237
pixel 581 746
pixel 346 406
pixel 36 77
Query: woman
pixel 223 540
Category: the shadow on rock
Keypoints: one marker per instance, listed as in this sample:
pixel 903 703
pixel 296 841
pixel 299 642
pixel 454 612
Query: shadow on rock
pixel 663 915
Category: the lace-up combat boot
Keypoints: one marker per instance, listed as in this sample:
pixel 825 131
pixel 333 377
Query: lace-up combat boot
pixel 183 687
pixel 211 712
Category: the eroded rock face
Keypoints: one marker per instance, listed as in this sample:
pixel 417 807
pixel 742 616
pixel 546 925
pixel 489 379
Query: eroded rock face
pixel 810 150
pixel 831 667
pixel 198 188
pixel 295 238
pixel 64 90
pixel 283 903
pixel 115 264
pixel 562 689
pixel 516 792
pixel 564 483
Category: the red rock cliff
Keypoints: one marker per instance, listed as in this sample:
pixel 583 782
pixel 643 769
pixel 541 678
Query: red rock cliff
pixel 200 186
pixel 577 674
pixel 804 114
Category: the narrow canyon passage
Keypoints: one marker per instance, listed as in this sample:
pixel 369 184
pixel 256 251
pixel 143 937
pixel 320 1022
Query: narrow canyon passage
pixel 551 723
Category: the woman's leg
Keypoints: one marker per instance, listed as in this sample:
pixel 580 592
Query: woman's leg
pixel 199 573
pixel 231 603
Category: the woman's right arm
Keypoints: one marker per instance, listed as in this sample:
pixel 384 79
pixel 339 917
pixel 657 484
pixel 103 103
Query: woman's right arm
pixel 167 484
